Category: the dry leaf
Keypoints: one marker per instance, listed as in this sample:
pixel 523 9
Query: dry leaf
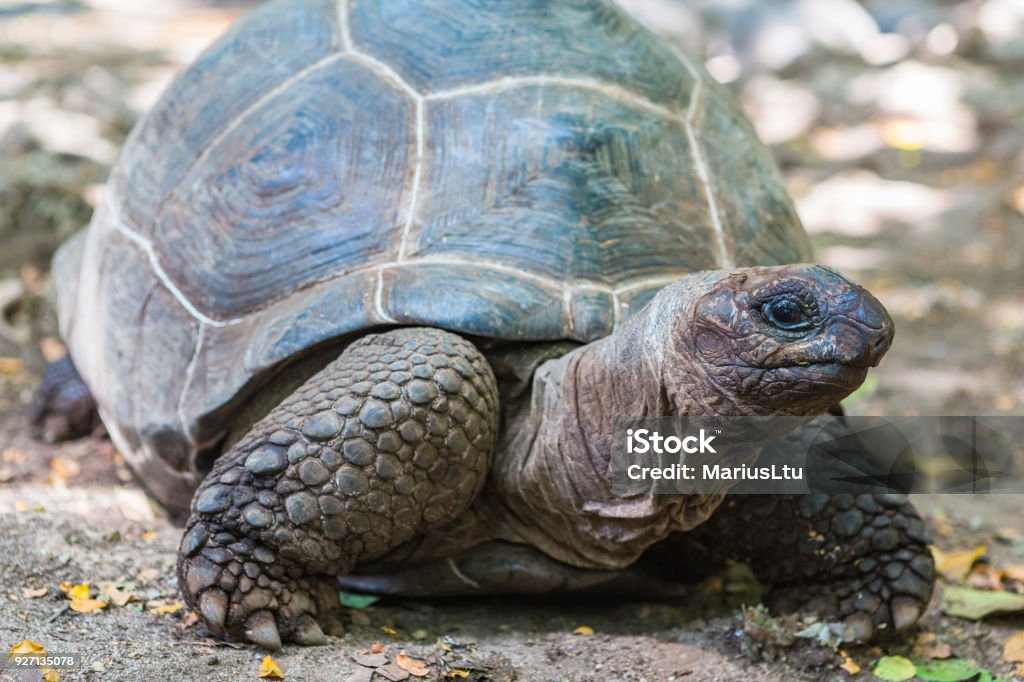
pixel 1014 572
pixel 849 665
pixel 149 535
pixel 389 631
pixel 457 672
pixel 11 365
pixel 117 594
pixel 50 676
pixel 393 672
pixel 954 566
pixel 76 591
pixel 190 619
pixel 1013 650
pixel 984 577
pixel 411 665
pixel 29 593
pixel 87 605
pixel 162 608
pixel 376 648
pixel 147 575
pixel 584 630
pixel 269 669
pixel 27 646
pixel 370 660
pixel 61 469
pixel 936 650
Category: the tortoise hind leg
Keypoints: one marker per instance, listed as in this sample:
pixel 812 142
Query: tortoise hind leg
pixel 63 408
pixel 390 439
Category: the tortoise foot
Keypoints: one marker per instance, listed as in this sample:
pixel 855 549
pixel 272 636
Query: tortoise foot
pixel 860 560
pixel 864 561
pixel 242 589
pixel 389 440
pixel 63 408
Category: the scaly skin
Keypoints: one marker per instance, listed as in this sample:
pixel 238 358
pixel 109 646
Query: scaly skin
pixel 63 408
pixel 862 560
pixel 390 439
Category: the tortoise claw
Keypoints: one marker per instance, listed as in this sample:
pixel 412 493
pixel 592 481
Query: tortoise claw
pixel 261 629
pixel 308 632
pixel 213 605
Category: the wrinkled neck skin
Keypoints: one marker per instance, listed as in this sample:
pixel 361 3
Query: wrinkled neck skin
pixel 551 476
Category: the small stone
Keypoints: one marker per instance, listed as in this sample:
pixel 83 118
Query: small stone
pixel 375 414
pixel 358 452
pixel 257 516
pixel 323 426
pixel 312 472
pixel 266 461
pixel 214 499
pixel 302 508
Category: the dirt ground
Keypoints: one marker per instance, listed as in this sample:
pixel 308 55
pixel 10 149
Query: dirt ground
pixel 899 127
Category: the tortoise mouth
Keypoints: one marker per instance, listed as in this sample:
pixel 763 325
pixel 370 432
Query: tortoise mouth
pixel 830 373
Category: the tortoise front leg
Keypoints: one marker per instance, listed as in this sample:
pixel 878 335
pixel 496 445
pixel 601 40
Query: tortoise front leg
pixel 390 439
pixel 862 560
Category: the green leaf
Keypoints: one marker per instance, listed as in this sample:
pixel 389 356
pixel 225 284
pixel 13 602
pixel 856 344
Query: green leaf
pixel 894 669
pixel 826 634
pixel 964 602
pixel 949 670
pixel 351 600
pixel 986 676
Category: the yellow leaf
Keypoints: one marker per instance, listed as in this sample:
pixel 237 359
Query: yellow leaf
pixel 26 646
pixel 29 593
pixel 76 591
pixel 584 630
pixel 10 365
pixel 65 586
pixel 1013 650
pixel 849 665
pixel 457 672
pixel 269 669
pixel 389 631
pixel 171 607
pixel 411 665
pixel 116 593
pixel 954 566
pixel 87 605
pixel 51 676
pixel 149 535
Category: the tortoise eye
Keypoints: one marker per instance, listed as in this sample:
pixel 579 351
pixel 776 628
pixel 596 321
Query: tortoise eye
pixel 786 314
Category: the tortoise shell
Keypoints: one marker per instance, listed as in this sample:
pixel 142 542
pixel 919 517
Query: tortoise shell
pixel 516 169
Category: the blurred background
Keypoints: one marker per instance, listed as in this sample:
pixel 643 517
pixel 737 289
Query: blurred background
pixel 899 126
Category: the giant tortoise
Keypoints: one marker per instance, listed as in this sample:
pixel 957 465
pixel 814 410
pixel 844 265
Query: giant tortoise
pixel 373 280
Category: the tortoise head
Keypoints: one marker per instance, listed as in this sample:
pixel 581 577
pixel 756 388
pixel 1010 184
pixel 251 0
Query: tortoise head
pixel 794 339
